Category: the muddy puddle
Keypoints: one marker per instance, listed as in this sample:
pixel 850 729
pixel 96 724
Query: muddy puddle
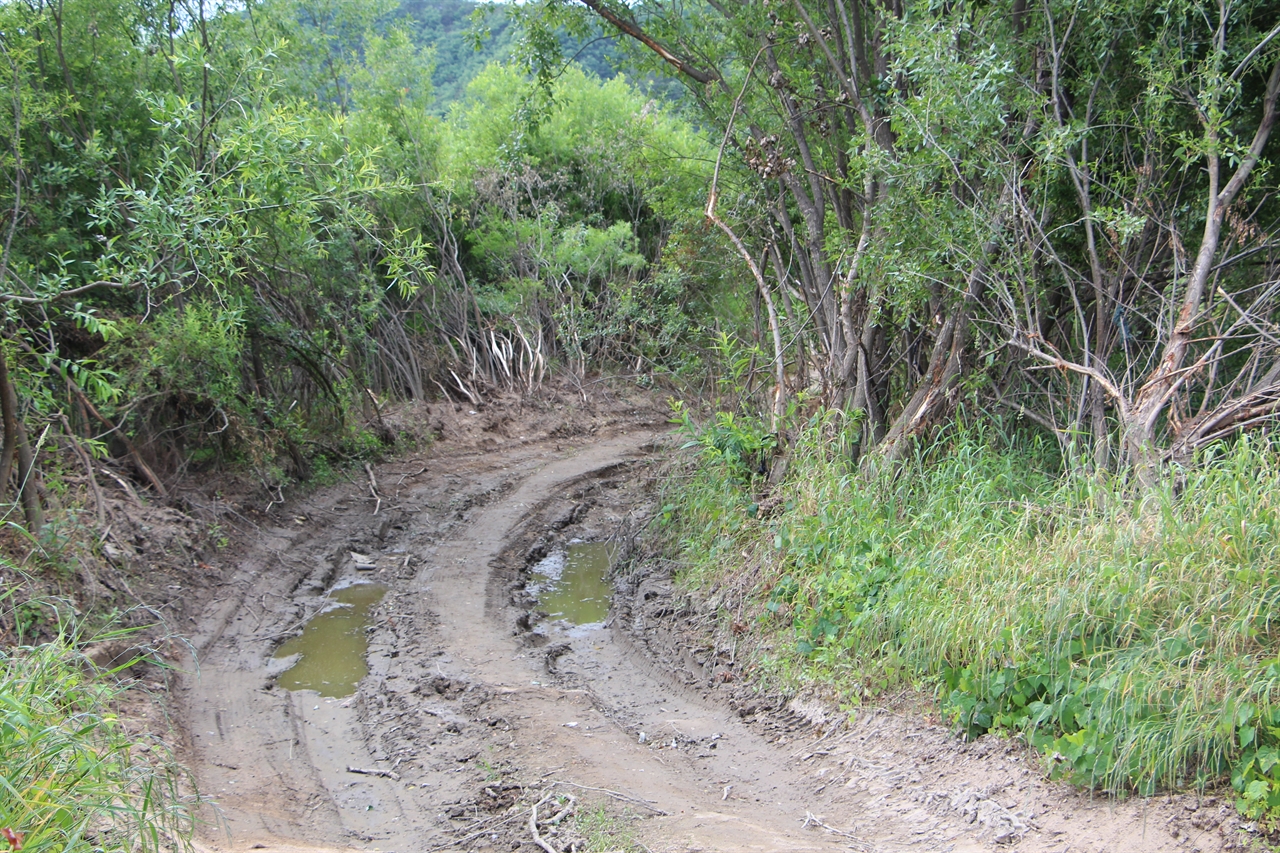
pixel 472 720
pixel 574 586
pixel 333 644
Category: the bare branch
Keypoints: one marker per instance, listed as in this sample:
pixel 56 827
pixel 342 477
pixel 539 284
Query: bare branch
pixel 62 294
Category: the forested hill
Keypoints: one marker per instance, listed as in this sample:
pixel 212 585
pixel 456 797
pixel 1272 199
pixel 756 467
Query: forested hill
pixel 462 45
pixel 466 36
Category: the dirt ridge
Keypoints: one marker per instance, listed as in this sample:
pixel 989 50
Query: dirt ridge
pixel 475 708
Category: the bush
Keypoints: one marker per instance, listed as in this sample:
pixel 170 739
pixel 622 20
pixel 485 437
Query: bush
pixel 1131 636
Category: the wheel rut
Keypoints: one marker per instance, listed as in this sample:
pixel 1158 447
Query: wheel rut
pixel 473 711
pixel 459 715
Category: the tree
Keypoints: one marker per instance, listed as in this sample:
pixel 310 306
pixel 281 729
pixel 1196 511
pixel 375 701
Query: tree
pixel 937 183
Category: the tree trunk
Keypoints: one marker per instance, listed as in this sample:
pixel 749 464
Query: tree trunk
pixel 932 396
pixel 27 482
pixel 1168 375
pixel 9 414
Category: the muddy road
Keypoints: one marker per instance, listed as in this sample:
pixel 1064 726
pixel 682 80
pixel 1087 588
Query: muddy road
pixel 475 708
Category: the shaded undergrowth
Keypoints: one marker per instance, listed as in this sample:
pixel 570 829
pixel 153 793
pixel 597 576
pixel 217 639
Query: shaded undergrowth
pixel 1129 635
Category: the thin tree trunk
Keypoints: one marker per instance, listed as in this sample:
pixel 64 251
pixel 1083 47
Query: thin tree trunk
pixel 9 413
pixel 27 486
pixel 932 396
pixel 1167 377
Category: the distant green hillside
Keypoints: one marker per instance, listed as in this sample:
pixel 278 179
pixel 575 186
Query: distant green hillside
pixel 447 26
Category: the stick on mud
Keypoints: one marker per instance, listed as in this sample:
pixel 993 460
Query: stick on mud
pixel 386 774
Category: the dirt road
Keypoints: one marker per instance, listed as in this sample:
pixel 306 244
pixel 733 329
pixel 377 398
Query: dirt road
pixel 474 710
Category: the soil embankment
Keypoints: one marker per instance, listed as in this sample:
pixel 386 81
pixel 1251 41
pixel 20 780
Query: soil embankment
pixel 475 709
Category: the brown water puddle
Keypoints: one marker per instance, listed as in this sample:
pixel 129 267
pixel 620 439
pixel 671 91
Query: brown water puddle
pixel 333 644
pixel 575 586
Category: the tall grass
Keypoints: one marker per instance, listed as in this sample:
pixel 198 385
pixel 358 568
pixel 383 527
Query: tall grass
pixel 72 777
pixel 1133 637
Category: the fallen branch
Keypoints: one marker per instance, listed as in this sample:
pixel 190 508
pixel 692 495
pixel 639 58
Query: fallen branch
pixel 386 774
pixel 373 487
pixel 407 475
pixel 564 812
pixel 98 505
pixel 533 826
pixel 123 483
pixel 810 819
pixel 626 798
pixel 277 498
pixel 377 407
pixel 124 439
pixel 487 825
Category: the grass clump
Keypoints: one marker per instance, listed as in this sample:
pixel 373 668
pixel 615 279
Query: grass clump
pixel 72 777
pixel 1133 637
pixel 606 831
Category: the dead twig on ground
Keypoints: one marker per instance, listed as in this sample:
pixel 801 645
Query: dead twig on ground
pixel 386 774
pixel 626 798
pixel 487 826
pixel 419 472
pixel 373 487
pixel 533 826
pixel 810 819
pixel 563 813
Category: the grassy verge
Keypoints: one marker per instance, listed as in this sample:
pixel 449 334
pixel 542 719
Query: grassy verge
pixel 1134 639
pixel 72 777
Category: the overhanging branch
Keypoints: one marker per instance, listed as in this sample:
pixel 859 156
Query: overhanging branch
pixel 629 28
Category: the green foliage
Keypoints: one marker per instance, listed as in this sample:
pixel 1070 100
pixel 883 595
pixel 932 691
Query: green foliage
pixel 739 446
pixel 572 209
pixel 72 777
pixel 196 352
pixel 226 229
pixel 1131 638
pixel 241 227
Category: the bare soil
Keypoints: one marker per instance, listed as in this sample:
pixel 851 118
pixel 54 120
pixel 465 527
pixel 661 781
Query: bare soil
pixel 476 708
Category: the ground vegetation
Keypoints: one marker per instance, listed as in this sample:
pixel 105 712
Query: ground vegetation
pixel 973 308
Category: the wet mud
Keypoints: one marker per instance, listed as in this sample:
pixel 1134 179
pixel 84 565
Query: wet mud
pixel 486 695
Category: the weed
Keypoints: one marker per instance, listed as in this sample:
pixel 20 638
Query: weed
pixel 605 830
pixel 322 471
pixel 72 778
pixel 740 445
pixel 492 771
pixel 1131 637
pixel 218 535
pixel 30 618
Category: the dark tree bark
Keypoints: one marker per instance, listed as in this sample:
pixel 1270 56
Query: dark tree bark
pixel 9 413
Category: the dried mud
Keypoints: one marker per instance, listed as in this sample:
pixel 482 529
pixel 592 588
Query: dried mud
pixel 476 708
